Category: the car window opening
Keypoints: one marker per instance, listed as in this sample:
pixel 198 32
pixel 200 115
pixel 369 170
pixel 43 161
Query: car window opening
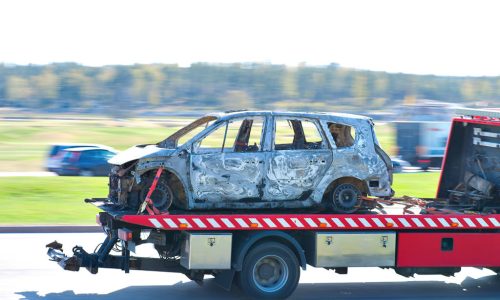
pixel 342 134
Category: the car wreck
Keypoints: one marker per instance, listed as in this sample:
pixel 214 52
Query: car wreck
pixel 257 160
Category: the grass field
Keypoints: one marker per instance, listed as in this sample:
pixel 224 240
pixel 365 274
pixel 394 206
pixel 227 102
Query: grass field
pixel 24 144
pixel 59 200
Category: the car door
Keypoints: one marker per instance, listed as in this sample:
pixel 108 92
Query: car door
pixel 299 159
pixel 228 163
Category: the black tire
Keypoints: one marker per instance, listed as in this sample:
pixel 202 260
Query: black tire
pixel 345 198
pixel 270 271
pixel 162 196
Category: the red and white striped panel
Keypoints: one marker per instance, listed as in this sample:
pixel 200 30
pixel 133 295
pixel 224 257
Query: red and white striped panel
pixel 317 222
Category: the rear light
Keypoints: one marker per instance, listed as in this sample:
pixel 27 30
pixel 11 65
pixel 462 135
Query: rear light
pixel 125 234
pixel 424 161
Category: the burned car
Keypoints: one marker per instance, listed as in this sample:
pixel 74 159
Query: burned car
pixel 257 160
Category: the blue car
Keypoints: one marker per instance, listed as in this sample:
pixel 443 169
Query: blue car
pixel 86 161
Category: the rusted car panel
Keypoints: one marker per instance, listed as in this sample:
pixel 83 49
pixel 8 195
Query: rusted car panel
pixel 248 160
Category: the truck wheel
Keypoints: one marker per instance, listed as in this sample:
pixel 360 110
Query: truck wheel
pixel 270 270
pixel 345 198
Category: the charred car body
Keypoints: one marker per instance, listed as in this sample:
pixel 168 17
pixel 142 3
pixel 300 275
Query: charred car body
pixel 257 160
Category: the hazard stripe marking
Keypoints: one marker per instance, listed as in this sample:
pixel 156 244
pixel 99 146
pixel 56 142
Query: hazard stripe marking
pixel 338 222
pixel 455 220
pixel 482 222
pixel 417 222
pixel 351 222
pixel 199 223
pixel 170 222
pixel 242 222
pixel 297 222
pixel 213 223
pixel 324 221
pixel 390 220
pixel 156 223
pixel 495 222
pixel 270 223
pixel 404 222
pixel 469 222
pixel 378 222
pixel 255 221
pixel 430 222
pixel 311 222
pixel 443 222
pixel 184 221
pixel 227 223
pixel 364 222
pixel 283 222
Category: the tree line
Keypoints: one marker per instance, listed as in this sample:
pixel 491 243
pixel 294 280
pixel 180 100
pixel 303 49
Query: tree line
pixel 142 87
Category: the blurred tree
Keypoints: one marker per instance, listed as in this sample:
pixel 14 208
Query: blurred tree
pixel 236 99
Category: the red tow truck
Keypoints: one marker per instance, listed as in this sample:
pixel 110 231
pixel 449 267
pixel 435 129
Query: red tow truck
pixel 263 253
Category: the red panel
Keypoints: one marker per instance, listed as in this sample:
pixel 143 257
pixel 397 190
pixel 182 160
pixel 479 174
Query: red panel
pixel 469 250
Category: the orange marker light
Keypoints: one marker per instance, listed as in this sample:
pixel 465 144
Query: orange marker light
pixel 254 225
pixel 322 225
pixel 183 225
pixel 389 224
pixel 454 224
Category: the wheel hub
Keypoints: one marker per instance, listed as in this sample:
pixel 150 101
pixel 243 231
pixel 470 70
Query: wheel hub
pixel 270 273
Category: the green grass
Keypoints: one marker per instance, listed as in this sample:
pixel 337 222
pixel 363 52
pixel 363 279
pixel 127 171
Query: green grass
pixel 59 200
pixel 49 200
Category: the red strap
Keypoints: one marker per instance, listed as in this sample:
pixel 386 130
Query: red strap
pixel 152 210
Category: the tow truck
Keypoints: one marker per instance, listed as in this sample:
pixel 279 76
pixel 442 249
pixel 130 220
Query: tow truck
pixel 263 252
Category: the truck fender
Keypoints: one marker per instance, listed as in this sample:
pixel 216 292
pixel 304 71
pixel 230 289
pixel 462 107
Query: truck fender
pixel 246 240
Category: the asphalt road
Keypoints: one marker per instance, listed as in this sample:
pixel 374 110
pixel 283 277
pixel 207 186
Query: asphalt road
pixel 26 273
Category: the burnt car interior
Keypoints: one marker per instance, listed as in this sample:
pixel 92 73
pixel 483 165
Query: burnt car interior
pixel 242 135
pixel 294 134
pixel 342 135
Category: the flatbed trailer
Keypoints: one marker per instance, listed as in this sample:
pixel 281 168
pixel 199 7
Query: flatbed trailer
pixel 263 253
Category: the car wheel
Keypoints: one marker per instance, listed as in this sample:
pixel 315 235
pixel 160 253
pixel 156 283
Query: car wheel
pixel 345 198
pixel 162 196
pixel 86 173
pixel 270 270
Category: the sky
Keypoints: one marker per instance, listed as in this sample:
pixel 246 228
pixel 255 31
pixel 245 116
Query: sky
pixel 442 37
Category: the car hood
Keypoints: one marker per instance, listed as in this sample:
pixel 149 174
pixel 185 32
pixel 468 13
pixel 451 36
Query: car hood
pixel 139 151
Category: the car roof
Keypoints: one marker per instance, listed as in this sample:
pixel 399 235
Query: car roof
pixel 318 115
pixel 81 149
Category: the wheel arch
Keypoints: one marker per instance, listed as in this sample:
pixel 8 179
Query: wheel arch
pixel 246 242
pixel 178 186
pixel 361 184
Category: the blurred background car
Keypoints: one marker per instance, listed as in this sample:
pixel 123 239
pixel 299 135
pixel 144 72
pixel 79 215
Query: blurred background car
pixel 399 165
pixel 86 161
pixel 55 154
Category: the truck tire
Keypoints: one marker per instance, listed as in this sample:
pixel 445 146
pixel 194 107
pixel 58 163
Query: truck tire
pixel 345 198
pixel 270 270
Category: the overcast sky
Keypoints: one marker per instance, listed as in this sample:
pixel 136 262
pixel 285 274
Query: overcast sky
pixel 413 36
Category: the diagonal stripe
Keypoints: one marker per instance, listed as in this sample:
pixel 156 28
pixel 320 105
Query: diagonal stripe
pixel 184 221
pixel 324 221
pixel 482 222
pixel 418 222
pixel 364 222
pixel 311 222
pixel 351 222
pixel 242 222
pixel 170 223
pixel 430 222
pixel 283 222
pixel 390 220
pixel 495 222
pixel 455 220
pixel 227 222
pixel 297 222
pixel 269 222
pixel 156 223
pixel 199 223
pixel 255 221
pixel 378 222
pixel 338 222
pixel 469 222
pixel 213 223
pixel 443 222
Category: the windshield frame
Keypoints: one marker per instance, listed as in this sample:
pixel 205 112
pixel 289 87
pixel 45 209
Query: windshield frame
pixel 172 141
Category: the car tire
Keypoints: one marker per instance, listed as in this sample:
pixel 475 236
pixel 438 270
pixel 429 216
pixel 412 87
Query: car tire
pixel 162 196
pixel 345 198
pixel 270 270
pixel 86 173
